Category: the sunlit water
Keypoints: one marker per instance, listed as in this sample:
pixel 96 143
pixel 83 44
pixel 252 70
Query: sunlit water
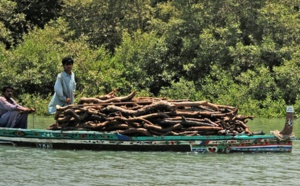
pixel 30 166
pixel 36 167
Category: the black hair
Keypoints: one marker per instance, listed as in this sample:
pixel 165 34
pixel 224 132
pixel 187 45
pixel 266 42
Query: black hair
pixel 5 87
pixel 67 60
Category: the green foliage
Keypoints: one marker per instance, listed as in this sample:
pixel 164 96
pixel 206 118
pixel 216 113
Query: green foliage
pixel 197 50
pixel 263 109
pixel 97 73
pixel 288 79
pixel 245 57
pixel 142 55
pixel 182 89
pixel 12 23
pixel 40 103
pixel 257 84
pixel 220 88
pixel 39 13
pixel 32 66
pixel 104 21
pixel 280 21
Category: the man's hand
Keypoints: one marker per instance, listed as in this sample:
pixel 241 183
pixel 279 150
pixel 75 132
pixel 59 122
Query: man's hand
pixel 68 100
pixel 29 110
pixel 26 110
pixel 32 110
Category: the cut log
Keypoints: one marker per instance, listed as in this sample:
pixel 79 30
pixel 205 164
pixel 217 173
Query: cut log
pixel 146 116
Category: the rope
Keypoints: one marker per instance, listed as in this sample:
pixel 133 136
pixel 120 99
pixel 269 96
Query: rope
pixel 281 137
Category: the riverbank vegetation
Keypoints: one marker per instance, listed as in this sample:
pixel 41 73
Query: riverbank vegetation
pixel 234 52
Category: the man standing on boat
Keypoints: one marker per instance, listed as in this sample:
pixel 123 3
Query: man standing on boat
pixel 64 88
pixel 12 114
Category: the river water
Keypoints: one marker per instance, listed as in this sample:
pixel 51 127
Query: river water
pixel 30 166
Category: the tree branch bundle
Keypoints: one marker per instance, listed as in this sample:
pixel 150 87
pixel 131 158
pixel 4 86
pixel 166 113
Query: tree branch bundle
pixel 148 116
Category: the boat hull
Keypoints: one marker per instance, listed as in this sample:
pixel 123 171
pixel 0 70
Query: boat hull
pixel 99 141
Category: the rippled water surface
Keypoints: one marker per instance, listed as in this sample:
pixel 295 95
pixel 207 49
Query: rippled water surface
pixel 30 166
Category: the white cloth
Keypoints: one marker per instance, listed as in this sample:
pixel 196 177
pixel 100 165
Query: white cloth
pixel 64 88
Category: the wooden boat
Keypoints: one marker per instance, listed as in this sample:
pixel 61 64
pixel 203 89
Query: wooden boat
pixel 91 140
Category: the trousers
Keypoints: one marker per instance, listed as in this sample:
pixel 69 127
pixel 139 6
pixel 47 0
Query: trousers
pixel 14 119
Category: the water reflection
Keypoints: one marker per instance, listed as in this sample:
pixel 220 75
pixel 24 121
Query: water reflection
pixel 28 166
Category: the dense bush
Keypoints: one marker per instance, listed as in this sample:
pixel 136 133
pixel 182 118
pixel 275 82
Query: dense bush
pixel 242 53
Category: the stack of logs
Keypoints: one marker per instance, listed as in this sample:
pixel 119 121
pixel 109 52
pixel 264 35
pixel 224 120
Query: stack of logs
pixel 148 116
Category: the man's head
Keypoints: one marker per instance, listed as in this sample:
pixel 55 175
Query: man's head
pixel 67 64
pixel 67 61
pixel 7 91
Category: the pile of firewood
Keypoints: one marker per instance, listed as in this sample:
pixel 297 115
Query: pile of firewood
pixel 148 116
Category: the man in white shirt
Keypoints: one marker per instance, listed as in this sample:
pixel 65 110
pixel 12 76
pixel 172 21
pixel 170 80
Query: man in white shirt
pixel 64 88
